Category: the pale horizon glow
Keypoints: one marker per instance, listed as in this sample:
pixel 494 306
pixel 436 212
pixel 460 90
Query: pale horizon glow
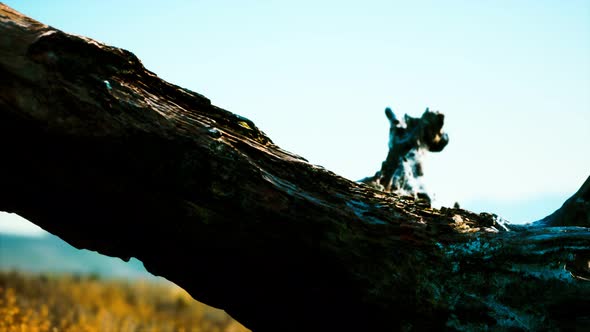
pixel 14 224
pixel 512 78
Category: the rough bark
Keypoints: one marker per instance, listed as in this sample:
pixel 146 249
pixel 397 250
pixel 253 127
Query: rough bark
pixel 101 152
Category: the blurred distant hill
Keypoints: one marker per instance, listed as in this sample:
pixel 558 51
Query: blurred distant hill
pixel 50 254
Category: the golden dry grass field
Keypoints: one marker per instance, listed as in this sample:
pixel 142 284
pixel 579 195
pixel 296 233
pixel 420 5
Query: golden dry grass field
pixel 56 303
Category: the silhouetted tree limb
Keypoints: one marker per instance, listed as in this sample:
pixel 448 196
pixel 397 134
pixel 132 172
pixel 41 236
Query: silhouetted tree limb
pixel 575 211
pixel 108 156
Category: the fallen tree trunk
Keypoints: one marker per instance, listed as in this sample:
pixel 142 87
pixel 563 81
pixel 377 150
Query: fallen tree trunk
pixel 104 154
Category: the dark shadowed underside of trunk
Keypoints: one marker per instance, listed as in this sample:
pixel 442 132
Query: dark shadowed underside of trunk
pixel 106 155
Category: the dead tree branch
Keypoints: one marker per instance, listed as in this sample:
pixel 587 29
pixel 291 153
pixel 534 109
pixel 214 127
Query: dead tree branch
pixel 103 153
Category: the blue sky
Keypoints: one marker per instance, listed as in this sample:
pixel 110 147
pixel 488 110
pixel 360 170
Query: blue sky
pixel 512 77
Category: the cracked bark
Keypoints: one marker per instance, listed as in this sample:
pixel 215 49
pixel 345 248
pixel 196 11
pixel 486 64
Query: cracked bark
pixel 103 153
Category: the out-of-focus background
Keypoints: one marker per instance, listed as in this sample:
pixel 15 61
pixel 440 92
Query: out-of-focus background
pixel 512 78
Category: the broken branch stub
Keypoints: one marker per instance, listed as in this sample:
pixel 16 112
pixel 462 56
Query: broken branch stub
pixel 409 140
